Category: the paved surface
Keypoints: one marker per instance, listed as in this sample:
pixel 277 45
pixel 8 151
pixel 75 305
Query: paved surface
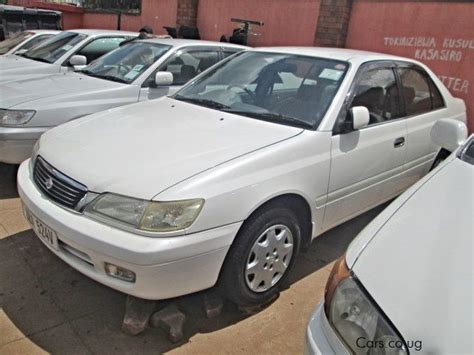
pixel 46 306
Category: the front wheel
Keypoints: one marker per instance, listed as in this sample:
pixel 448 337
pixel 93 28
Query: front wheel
pixel 262 256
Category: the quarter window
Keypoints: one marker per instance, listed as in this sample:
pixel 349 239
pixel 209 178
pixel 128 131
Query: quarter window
pixel 419 92
pixel 377 90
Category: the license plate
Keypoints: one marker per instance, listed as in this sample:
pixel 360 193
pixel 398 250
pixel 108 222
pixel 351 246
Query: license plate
pixel 48 235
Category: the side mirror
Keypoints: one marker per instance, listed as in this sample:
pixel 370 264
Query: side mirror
pixel 360 117
pixel 448 133
pixel 78 61
pixel 163 78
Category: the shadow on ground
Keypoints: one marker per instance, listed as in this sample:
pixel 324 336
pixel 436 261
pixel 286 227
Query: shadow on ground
pixel 8 181
pixel 60 310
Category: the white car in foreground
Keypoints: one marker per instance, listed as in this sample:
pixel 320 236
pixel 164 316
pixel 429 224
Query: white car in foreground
pixel 137 71
pixel 236 173
pixel 406 282
pixel 24 41
pixel 61 53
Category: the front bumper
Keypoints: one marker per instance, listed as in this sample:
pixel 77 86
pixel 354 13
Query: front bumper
pixel 164 267
pixel 16 143
pixel 320 337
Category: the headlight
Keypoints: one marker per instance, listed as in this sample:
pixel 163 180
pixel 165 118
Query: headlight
pixel 148 216
pixel 15 117
pixel 356 318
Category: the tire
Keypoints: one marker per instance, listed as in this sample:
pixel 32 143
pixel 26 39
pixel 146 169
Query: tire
pixel 269 239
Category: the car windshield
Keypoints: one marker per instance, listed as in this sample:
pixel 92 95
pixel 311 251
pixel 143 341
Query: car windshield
pixel 126 63
pixel 54 48
pixel 12 42
pixel 282 88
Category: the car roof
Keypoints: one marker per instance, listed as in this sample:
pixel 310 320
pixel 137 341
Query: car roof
pixel 343 54
pixel 43 31
pixel 93 32
pixel 179 42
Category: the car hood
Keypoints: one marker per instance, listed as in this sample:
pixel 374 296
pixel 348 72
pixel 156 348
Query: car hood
pixel 10 64
pixel 416 259
pixel 142 149
pixel 25 90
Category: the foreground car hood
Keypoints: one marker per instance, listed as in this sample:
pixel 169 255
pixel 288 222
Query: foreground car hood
pixel 25 90
pixel 423 254
pixel 142 149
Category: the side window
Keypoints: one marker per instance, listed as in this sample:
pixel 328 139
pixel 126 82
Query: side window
pixel 186 65
pixel 98 47
pixel 419 92
pixel 378 91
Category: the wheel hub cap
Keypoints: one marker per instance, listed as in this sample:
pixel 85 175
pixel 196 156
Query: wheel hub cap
pixel 269 258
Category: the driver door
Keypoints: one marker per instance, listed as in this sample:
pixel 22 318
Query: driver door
pixel 366 164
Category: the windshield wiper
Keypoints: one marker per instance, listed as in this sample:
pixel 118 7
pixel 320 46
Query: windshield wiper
pixel 273 117
pixel 202 102
pixel 106 77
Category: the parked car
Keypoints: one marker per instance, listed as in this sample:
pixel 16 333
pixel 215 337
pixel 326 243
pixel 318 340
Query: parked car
pixel 61 53
pixel 137 71
pixel 24 41
pixel 405 283
pixel 228 179
pixel 15 19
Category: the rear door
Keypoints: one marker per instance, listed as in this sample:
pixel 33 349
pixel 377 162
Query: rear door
pixel 423 105
pixel 366 164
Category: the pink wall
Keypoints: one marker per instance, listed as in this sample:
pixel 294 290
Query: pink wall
pixel 286 22
pixel 439 34
pixel 155 13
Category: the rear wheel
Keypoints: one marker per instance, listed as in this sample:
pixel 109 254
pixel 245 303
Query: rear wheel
pixel 262 256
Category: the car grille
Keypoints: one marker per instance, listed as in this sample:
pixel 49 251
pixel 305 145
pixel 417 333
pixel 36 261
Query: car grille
pixel 57 186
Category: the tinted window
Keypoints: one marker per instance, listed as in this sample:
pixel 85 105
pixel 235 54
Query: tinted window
pixel 228 52
pixel 185 65
pixel 378 91
pixel 98 47
pixel 419 92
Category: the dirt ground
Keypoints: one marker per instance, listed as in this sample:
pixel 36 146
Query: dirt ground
pixel 48 307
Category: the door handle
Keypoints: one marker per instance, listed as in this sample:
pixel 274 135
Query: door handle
pixel 399 142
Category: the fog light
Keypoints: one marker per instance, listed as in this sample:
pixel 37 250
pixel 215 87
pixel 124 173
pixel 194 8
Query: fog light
pixel 119 272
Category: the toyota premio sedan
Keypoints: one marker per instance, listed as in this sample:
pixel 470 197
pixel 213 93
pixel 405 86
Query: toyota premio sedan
pixel 61 53
pixel 226 181
pixel 137 71
pixel 421 298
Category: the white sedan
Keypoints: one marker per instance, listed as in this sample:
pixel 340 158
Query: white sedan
pixel 405 283
pixel 24 41
pixel 137 71
pixel 61 53
pixel 230 178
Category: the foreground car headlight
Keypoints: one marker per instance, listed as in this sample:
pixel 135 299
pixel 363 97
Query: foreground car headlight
pixel 15 117
pixel 148 216
pixel 356 318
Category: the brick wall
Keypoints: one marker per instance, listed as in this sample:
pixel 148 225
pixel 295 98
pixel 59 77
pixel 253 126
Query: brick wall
pixel 187 13
pixel 333 23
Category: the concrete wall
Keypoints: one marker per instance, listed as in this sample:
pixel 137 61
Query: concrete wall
pixel 439 34
pixel 286 22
